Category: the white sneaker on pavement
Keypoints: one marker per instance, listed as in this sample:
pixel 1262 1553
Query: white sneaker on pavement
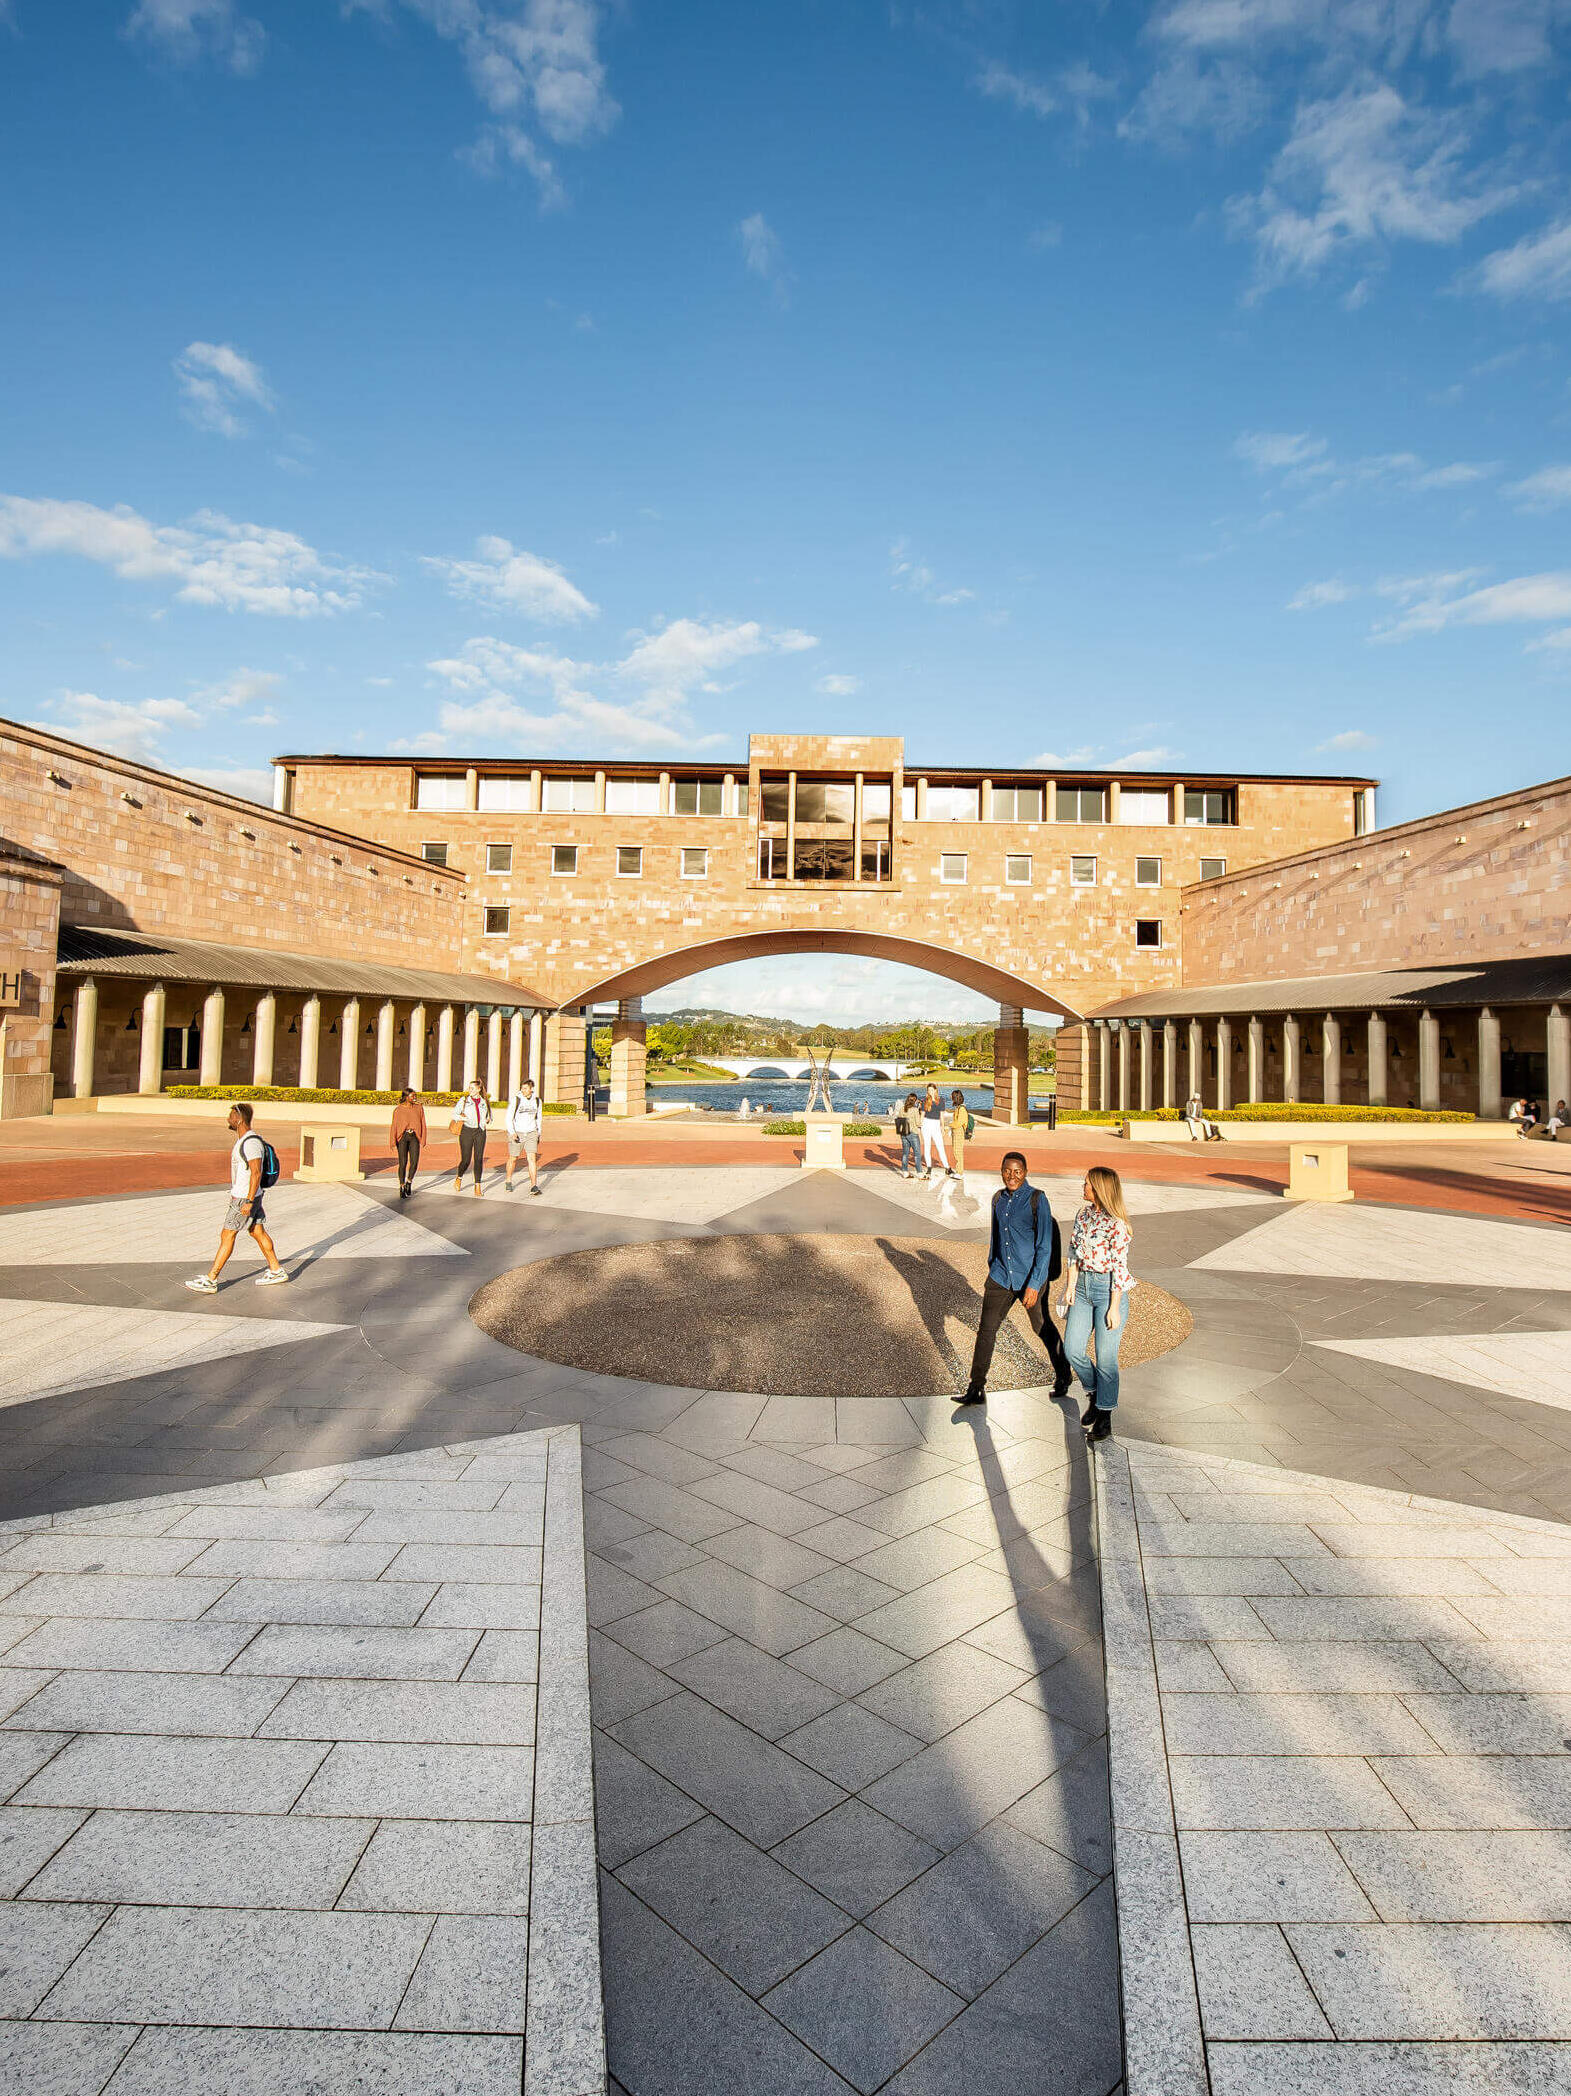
pixel 203 1284
pixel 272 1277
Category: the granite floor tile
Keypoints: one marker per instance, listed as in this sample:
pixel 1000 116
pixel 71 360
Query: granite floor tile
pixel 384 1604
pixel 779 1561
pixel 665 1633
pixel 842 1539
pixel 178 1599
pixel 1301 1724
pixel 1250 1985
pixel 505 1655
pixel 847 1661
pixel 752 1610
pixel 942 1691
pixel 749 1499
pixel 1351 1669
pixel 61 2059
pixel 856 1857
pixel 1493 1724
pixel 422 1782
pixel 754 1787
pixel 1272 1877
pixel 863 2007
pixel 153 1773
pixel 473 1975
pixel 851 1746
pixel 351 1652
pixel 1482 1792
pixel 1283 1792
pixel 1459 1877
pixel 241 2062
pixel 915 1560
pixel 205 1859
pixel 844 1593
pixel 619 1681
pixel 29 1836
pixel 482 1605
pixel 1385 2069
pixel 442 1713
pixel 38 1942
pixel 1429 1981
pixel 649 1556
pixel 89 1701
pixel 953 1788
pixel 670 1508
pixel 1069 1811
pixel 634 1808
pixel 765 1694
pixel 612 1592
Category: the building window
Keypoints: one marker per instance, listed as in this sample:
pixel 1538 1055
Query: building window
pixel 697 796
pixel 434 854
pixel 1082 803
pixel 875 858
pixel 497 918
pixel 1017 869
pixel 564 858
pixel 954 803
pixel 1148 931
pixel 1017 804
pixel 772 859
pixel 630 859
pixel 1205 807
pixel 774 800
pixel 440 789
pixel 951 866
pixel 1082 871
pixel 1144 805
pixel 568 796
pixel 831 802
pixel 908 804
pixel 822 859
pixel 632 796
pixel 1148 872
pixel 1363 812
pixel 505 793
pixel 695 862
pixel 875 800
pixel 499 858
pixel 1212 869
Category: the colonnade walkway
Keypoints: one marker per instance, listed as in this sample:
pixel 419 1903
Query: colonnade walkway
pixel 847 1675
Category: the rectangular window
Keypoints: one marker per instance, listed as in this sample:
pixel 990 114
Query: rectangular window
pixel 1144 805
pixel 908 803
pixel 440 789
pixel 567 796
pixel 1363 813
pixel 630 859
pixel 564 858
pixel 695 862
pixel 497 920
pixel 1212 869
pixel 1017 804
pixel 697 796
pixel 875 858
pixel 1082 871
pixel 1017 869
pixel 632 796
pixel 434 854
pixel 951 866
pixel 505 793
pixel 828 801
pixel 499 858
pixel 1078 803
pixel 1205 806
pixel 875 800
pixel 954 803
pixel 1148 931
pixel 774 800
pixel 740 790
pixel 822 859
pixel 1148 872
pixel 771 858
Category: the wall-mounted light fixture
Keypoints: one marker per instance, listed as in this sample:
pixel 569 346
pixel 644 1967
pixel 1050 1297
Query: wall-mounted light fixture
pixel 248 833
pixel 193 818
pixel 57 778
pixel 130 800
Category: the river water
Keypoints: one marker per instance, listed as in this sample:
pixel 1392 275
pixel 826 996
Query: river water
pixel 786 1098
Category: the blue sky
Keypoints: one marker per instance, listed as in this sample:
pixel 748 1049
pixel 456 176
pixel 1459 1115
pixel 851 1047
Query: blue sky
pixel 1175 385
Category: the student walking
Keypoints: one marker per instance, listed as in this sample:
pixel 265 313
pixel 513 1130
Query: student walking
pixel 1020 1265
pixel 471 1117
pixel 525 1117
pixel 932 1132
pixel 408 1136
pixel 253 1166
pixel 1095 1287
pixel 905 1128
pixel 961 1124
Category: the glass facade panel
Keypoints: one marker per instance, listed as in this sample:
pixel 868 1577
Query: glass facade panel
pixel 1148 873
pixel 697 796
pixel 908 803
pixel 1017 869
pixel 564 858
pixel 875 859
pixel 822 859
pixel 630 858
pixel 1212 869
pixel 568 796
pixel 875 800
pixel 1082 871
pixel 434 854
pixel 499 858
pixel 439 789
pixel 505 794
pixel 1143 804
pixel 772 859
pixel 1206 806
pixel 829 801
pixel 695 862
pixel 774 800
pixel 951 866
pixel 1017 804
pixel 632 796
pixel 954 803
pixel 1078 803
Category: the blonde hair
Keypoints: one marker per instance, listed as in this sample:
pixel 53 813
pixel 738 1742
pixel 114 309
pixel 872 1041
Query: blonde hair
pixel 1107 1192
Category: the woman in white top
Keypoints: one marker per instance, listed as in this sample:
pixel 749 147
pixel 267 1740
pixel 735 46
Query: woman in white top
pixel 1096 1282
pixel 933 1133
pixel 471 1116
pixel 524 1121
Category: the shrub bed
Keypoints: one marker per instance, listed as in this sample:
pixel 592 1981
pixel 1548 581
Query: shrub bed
pixel 800 1128
pixel 322 1095
pixel 1270 1110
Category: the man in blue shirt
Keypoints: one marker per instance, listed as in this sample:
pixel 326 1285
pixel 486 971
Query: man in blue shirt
pixel 1019 1267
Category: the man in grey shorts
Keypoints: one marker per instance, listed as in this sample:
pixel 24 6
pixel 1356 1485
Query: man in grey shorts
pixel 245 1206
pixel 524 1119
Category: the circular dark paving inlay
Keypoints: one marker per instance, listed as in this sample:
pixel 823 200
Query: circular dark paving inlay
pixel 810 1316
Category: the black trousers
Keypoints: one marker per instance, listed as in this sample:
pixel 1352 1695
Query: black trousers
pixel 997 1302
pixel 471 1151
pixel 408 1157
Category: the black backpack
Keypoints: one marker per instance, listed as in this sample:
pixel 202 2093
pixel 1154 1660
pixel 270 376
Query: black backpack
pixel 1055 1257
pixel 269 1164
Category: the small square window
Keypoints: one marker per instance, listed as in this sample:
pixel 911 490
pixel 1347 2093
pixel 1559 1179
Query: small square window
pixel 497 920
pixel 1017 869
pixel 1148 872
pixel 1082 870
pixel 499 858
pixel 697 796
pixel 564 858
pixel 695 862
pixel 1212 869
pixel 951 866
pixel 630 858
pixel 434 854
pixel 1148 931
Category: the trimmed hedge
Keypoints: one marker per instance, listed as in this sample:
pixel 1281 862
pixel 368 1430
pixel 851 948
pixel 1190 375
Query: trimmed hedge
pixel 1270 1110
pixel 321 1095
pixel 800 1128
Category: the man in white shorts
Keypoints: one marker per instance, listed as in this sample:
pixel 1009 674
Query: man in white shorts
pixel 524 1119
pixel 244 1212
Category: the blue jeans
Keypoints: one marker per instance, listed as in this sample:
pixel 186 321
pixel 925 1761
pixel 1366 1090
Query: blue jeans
pixel 1099 1378
pixel 910 1152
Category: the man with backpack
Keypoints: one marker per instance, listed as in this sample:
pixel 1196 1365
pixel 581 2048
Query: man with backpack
pixel 524 1121
pixel 1023 1256
pixel 253 1167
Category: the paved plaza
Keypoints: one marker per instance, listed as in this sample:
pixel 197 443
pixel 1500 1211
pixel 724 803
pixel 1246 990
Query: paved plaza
pixel 301 1586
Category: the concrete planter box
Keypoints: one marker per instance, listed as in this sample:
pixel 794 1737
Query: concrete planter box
pixel 1324 1131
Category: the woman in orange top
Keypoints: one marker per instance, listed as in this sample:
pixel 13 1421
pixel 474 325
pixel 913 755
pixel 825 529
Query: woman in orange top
pixel 408 1133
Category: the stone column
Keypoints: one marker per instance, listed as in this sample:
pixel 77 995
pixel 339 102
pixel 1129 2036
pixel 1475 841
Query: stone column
pixel 629 1036
pixel 1197 1060
pixel 264 1036
pixel 537 1051
pixel 471 1045
pixel 386 1021
pixel 1011 1067
pixel 1169 1063
pixel 349 1045
pixel 856 828
pixel 1257 1060
pixel 1145 1065
pixel 515 1054
pixel 790 832
pixel 1123 1069
pixel 310 1041
pixel 150 1077
pixel 1489 1066
pixel 1292 1059
pixel 1429 1062
pixel 1557 1034
pixel 444 1049
pixel 1378 1083
pixel 1331 1057
pixel 212 1070
pixel 564 1058
pixel 493 1056
pixel 417 1024
pixel 1104 1067
pixel 1224 1064
pixel 84 1036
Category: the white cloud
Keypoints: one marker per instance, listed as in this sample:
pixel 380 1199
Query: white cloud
pixel 1314 596
pixel 217 382
pixel 1538 266
pixel 1146 758
pixel 835 687
pixel 506 578
pixel 132 730
pixel 763 256
pixel 1270 451
pixel 240 688
pixel 1434 602
pixel 1305 462
pixel 914 578
pixel 209 560
pixel 1003 84
pixel 1546 489
pixel 248 782
pixel 1185 97
pixel 190 29
pixel 688 655
pixel 1349 739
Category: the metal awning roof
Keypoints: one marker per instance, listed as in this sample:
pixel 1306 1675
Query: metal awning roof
pixel 85 950
pixel 1531 979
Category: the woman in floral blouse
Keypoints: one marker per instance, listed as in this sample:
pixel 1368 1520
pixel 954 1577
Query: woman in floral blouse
pixel 1096 1282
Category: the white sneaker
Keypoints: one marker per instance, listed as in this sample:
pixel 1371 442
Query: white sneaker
pixel 203 1284
pixel 271 1279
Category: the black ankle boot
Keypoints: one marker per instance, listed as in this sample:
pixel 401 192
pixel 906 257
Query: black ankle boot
pixel 1101 1427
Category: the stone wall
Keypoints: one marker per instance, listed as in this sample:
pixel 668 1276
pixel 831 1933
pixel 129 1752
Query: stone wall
pixel 29 923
